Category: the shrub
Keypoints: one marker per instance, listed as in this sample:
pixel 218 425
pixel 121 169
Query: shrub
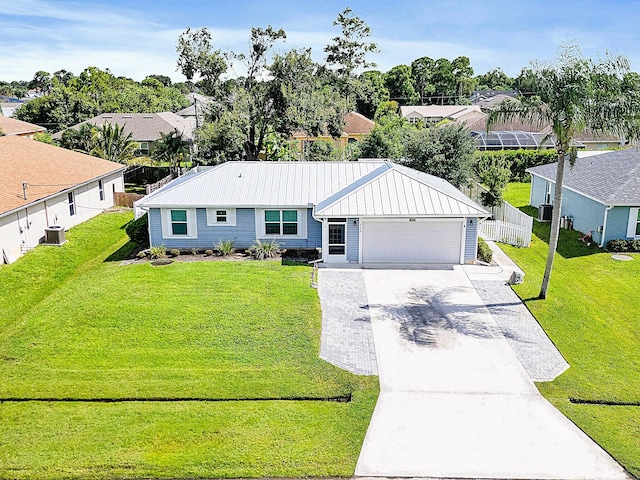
pixel 194 251
pixel 485 253
pixel 208 252
pixel 159 251
pixel 138 230
pixel 174 252
pixel 141 255
pixel 621 245
pixel 225 247
pixel 261 250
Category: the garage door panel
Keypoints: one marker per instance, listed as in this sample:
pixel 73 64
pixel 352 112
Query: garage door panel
pixel 411 242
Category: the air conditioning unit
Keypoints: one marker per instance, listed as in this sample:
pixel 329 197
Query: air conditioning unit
pixel 545 211
pixel 54 235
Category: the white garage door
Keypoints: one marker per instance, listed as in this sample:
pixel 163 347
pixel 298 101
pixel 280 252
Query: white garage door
pixel 402 241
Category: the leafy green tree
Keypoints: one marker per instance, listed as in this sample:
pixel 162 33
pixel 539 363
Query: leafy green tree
pixel 220 141
pixel 41 82
pixel 463 75
pixel 43 137
pixel 113 144
pixel 445 151
pixel 422 75
pixel 321 151
pixel 371 92
pixel 399 82
pixel 575 93
pixel 348 51
pixel 493 171
pixel 196 57
pixel 494 79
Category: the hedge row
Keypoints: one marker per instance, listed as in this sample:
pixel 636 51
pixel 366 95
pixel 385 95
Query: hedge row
pixel 621 245
pixel 520 160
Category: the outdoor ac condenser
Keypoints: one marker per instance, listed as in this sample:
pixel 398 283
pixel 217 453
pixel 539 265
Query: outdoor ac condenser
pixel 544 212
pixel 54 235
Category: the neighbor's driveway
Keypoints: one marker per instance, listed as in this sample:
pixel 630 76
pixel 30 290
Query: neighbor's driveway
pixel 455 401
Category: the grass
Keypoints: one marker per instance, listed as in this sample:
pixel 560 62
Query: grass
pixel 236 335
pixel 591 314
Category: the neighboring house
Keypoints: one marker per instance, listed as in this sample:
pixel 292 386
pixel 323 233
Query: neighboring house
pixel 489 99
pixel 437 113
pixel 145 128
pixel 198 106
pixel 601 193
pixel 356 127
pixel 9 105
pixel 355 212
pixel 13 126
pixel 43 185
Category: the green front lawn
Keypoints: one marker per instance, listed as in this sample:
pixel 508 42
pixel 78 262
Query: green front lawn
pixel 209 363
pixel 591 314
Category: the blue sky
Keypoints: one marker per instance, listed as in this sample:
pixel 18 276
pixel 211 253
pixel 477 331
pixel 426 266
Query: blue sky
pixel 137 38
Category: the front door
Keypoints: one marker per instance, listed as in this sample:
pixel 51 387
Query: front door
pixel 337 240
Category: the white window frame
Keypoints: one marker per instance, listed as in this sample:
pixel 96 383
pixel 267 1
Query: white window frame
pixel 633 222
pixel 192 223
pixel 212 217
pixel 261 223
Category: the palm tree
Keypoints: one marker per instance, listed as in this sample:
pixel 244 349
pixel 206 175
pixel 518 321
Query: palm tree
pixel 172 147
pixel 572 94
pixel 111 143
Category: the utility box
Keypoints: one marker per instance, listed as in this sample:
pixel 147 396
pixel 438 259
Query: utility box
pixel 54 235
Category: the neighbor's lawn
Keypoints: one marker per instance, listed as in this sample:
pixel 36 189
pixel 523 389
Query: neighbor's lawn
pixel 591 313
pixel 79 327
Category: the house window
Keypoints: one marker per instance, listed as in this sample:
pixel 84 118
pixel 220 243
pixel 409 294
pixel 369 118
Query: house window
pixel 547 195
pixel 101 189
pixel 179 222
pixel 144 148
pixel 221 216
pixel 72 204
pixel 281 222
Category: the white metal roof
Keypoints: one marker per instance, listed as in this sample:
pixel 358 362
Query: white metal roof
pixel 335 189
pixel 399 191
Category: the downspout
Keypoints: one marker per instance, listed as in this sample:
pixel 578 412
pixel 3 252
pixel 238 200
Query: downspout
pixel 604 225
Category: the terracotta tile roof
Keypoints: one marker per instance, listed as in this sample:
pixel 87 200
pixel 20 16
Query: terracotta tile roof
pixel 13 126
pixel 45 168
pixel 357 124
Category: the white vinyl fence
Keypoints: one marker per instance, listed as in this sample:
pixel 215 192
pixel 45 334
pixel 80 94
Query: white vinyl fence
pixel 508 225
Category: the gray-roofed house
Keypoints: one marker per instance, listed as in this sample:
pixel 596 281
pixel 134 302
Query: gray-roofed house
pixel 355 212
pixel 145 128
pixel 601 193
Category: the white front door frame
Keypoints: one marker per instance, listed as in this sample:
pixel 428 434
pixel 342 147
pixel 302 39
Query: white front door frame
pixel 334 252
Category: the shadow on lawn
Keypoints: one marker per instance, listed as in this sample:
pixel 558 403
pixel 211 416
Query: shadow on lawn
pixel 569 243
pixel 123 253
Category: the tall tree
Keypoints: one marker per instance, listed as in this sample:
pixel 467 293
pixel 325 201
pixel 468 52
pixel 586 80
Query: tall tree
pixel 371 92
pixel 348 51
pixel 399 82
pixel 445 151
pixel 196 57
pixel 574 93
pixel 422 73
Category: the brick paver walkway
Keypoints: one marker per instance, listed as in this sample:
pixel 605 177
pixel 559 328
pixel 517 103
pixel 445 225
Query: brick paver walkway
pixel 538 355
pixel 347 337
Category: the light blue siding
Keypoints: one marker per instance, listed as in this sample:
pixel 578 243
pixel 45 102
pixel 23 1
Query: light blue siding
pixel 617 223
pixel 313 240
pixel 471 240
pixel 353 239
pixel 243 234
pixel 587 214
pixel 538 191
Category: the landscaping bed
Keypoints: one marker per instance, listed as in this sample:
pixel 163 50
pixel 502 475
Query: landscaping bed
pixel 193 370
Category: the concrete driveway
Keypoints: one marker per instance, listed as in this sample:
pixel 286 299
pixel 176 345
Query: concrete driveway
pixel 455 401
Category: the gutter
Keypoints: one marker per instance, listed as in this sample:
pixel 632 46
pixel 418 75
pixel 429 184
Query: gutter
pixel 604 225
